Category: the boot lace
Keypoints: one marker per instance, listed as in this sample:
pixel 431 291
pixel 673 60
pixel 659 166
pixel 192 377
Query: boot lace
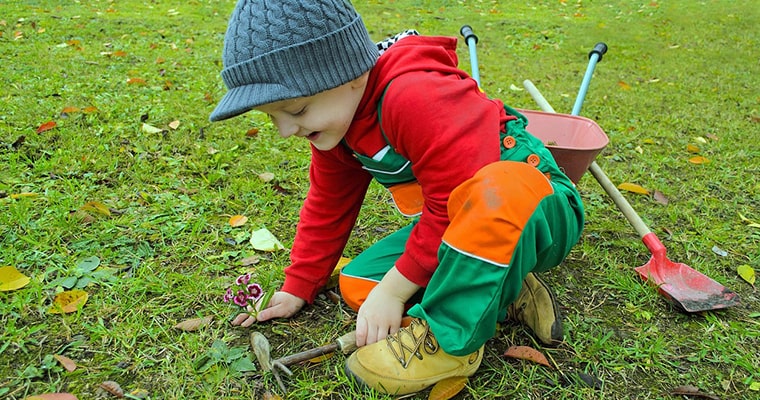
pixel 406 345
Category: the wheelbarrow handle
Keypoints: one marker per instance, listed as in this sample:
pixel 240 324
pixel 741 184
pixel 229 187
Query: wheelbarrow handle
pixel 594 56
pixel 471 39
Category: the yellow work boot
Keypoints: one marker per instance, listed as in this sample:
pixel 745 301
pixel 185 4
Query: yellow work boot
pixel 536 308
pixel 408 361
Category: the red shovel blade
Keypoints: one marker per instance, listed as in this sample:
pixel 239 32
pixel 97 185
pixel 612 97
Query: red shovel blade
pixel 685 287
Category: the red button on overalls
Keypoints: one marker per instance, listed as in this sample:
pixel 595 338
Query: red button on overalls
pixel 533 160
pixel 509 142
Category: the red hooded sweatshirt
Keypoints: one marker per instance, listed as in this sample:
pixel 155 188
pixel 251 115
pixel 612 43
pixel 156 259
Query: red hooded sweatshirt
pixel 434 115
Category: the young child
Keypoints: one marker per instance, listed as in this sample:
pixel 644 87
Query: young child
pixel 490 205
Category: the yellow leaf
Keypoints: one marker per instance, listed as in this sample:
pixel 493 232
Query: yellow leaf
pixel 699 160
pixel 238 220
pixel 150 129
pixel 96 207
pixel 624 85
pixel 174 124
pixel 632 187
pixel 692 148
pixel 747 273
pixel 447 388
pixel 68 301
pixel 11 279
pixel 319 359
pixel 24 194
pixel 266 176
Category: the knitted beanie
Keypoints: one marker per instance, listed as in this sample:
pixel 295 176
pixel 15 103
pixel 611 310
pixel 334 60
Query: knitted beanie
pixel 283 49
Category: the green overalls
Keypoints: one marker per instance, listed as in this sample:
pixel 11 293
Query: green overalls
pixel 488 249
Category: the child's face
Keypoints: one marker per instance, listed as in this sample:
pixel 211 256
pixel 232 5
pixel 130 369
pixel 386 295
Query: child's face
pixel 322 119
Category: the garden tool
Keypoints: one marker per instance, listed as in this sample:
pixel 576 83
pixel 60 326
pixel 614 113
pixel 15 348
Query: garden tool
pixel 685 287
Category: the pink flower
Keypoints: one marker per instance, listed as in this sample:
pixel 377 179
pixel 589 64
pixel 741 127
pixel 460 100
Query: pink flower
pixel 228 295
pixel 255 292
pixel 241 299
pixel 243 280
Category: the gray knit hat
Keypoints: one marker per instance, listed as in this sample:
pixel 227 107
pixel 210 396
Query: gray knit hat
pixel 283 49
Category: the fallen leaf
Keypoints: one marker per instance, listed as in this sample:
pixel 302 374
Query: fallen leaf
pixel 717 250
pixel 46 126
pixel 23 195
pixel 119 53
pixel 271 396
pixel 624 85
pixel 238 220
pixel 52 396
pixel 527 353
pixel 447 388
pixel 264 240
pixel 139 394
pixel 747 273
pixel 96 207
pixel 266 176
pixel 90 110
pixel 749 222
pixel 319 359
pixel 68 301
pixel 67 363
pixel 136 81
pixel 632 187
pixel 688 390
pixel 70 110
pixel 250 261
pixel 113 387
pixel 692 148
pixel 699 160
pixel 660 198
pixel 12 279
pixel 252 132
pixel 174 124
pixel 150 129
pixel 262 349
pixel 193 324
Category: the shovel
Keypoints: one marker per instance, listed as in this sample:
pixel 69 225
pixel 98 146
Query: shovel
pixel 683 286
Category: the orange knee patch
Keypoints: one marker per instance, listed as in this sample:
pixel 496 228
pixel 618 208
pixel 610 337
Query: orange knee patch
pixel 355 290
pixel 488 211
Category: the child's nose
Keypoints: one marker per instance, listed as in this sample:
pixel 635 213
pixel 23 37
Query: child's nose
pixel 287 128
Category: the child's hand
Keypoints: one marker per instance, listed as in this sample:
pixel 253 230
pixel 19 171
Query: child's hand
pixel 379 315
pixel 281 305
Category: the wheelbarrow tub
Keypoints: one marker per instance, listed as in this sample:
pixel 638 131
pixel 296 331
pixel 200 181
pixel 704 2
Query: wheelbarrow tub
pixel 573 141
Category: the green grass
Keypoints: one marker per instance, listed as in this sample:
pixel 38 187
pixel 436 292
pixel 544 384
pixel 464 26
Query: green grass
pixel 677 73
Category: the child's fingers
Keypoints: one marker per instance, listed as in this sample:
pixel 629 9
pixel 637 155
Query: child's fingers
pixel 240 319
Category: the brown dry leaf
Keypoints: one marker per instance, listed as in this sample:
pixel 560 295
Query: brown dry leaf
pixel 252 132
pixel 238 220
pixel 632 187
pixel 12 279
pixel 624 85
pixel 68 301
pixel 90 110
pixel 67 363
pixel 688 390
pixel 113 387
pixel 119 53
pixel 527 353
pixel 250 261
pixel 692 148
pixel 46 126
pixel 271 396
pixel 96 207
pixel 447 388
pixel 699 160
pixel 52 396
pixel 193 324
pixel 660 198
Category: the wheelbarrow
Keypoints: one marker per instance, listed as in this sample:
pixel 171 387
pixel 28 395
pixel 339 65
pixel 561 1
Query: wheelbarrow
pixel 575 142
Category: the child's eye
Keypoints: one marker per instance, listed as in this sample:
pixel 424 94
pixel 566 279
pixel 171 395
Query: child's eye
pixel 299 112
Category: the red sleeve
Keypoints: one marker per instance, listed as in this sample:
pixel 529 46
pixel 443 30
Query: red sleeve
pixel 452 133
pixel 337 188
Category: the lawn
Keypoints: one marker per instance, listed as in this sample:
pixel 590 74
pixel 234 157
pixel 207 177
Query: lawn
pixel 114 185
